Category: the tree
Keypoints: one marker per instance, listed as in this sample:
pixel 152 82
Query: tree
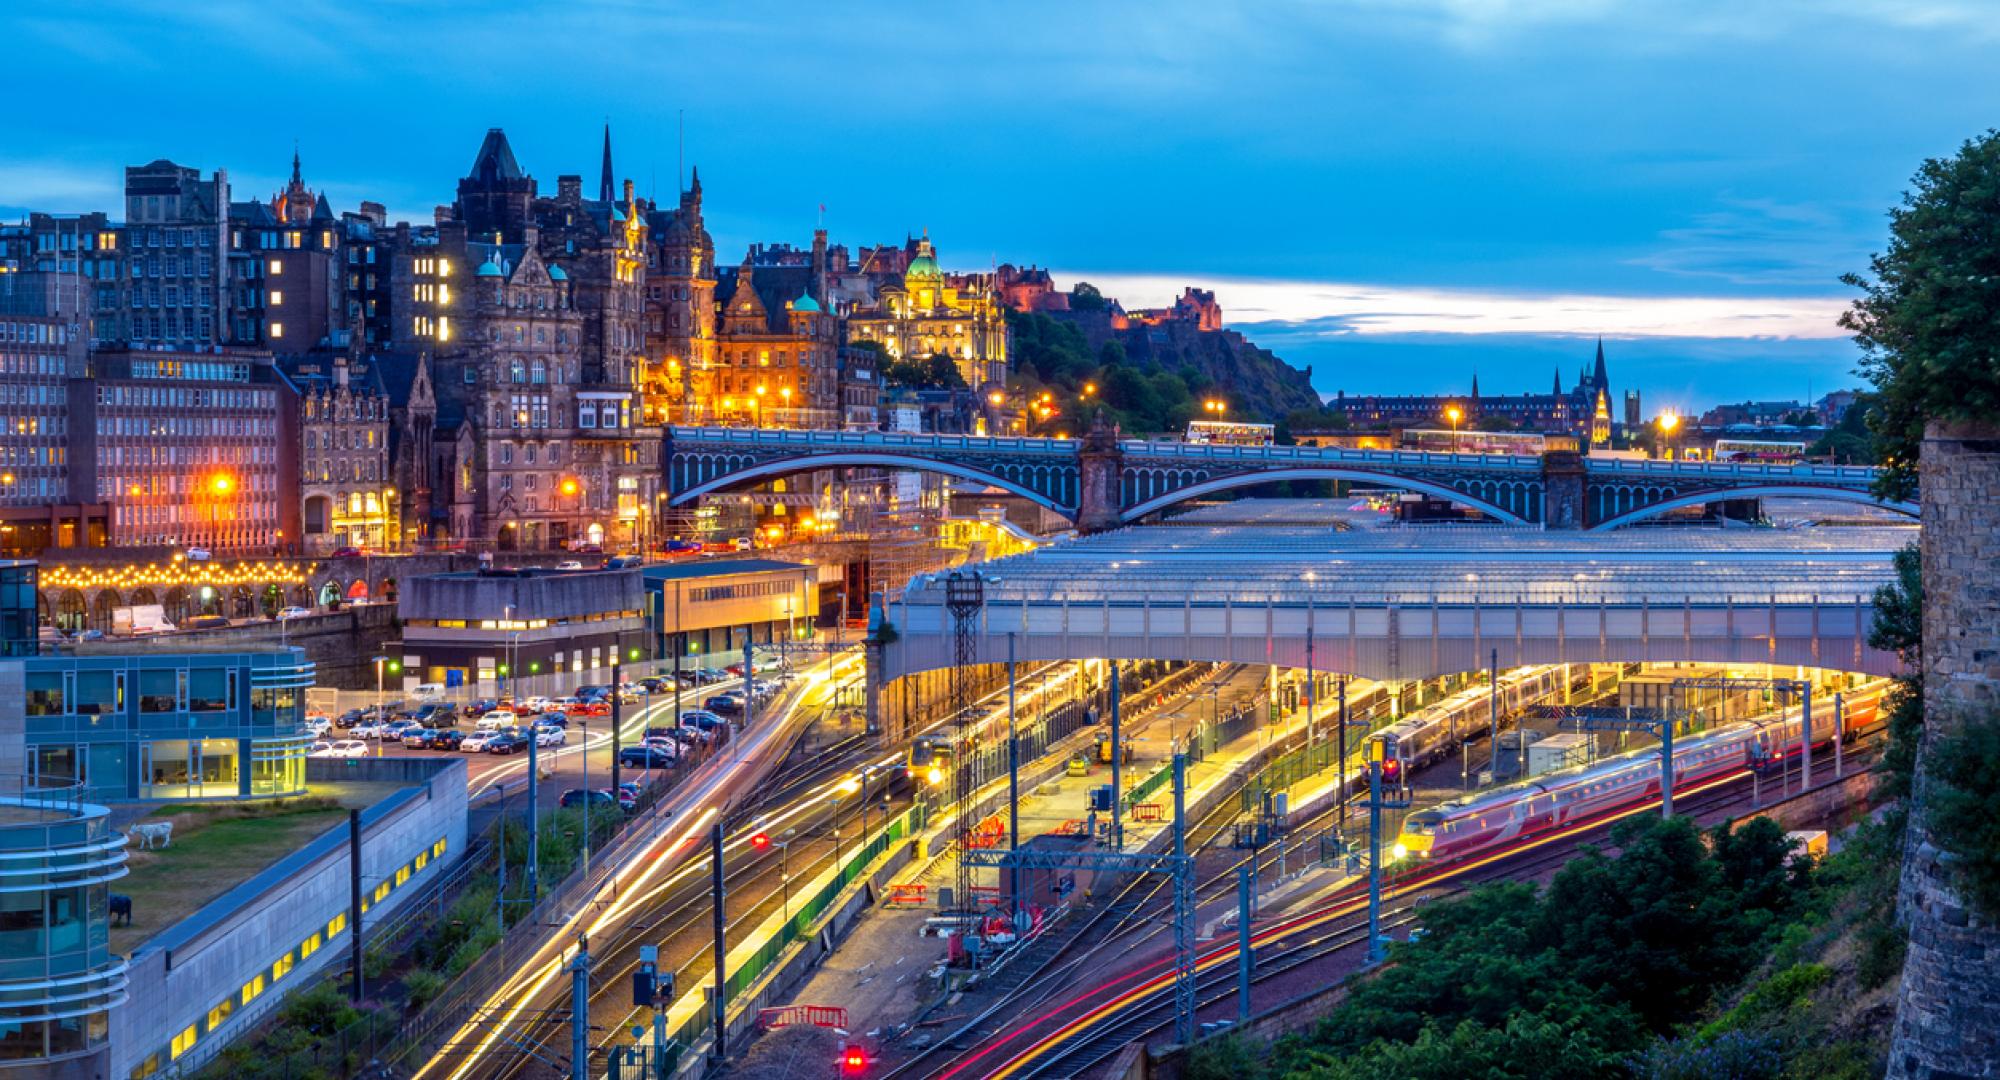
pixel 1085 297
pixel 1849 442
pixel 934 372
pixel 1925 320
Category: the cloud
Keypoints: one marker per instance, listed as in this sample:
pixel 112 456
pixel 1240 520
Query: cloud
pixel 60 189
pixel 1759 242
pixel 1348 308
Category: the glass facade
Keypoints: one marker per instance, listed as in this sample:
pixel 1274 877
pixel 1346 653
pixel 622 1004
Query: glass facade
pixel 156 725
pixel 58 978
pixel 17 609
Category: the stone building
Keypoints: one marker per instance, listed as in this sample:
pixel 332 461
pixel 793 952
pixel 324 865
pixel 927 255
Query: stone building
pixel 286 270
pixel 531 312
pixel 176 241
pixel 777 349
pixel 925 312
pixel 680 313
pixel 348 496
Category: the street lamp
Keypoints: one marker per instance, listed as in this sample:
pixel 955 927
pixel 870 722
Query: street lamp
pixel 381 705
pixel 761 391
pixel 1454 414
pixel 1669 422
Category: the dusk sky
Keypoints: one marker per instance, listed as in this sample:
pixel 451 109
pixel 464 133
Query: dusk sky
pixel 1396 192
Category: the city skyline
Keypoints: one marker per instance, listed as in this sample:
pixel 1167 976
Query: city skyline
pixel 1567 169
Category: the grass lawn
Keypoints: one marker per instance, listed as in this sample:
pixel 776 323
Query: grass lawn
pixel 215 848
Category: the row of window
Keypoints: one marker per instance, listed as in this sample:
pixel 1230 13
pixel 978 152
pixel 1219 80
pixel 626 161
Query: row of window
pixel 369 471
pixel 745 591
pixel 34 364
pixel 33 333
pixel 251 990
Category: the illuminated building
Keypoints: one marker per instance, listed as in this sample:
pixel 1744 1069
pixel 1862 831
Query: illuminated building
pixel 81 264
pixel 540 630
pixel 777 350
pixel 150 722
pixel 926 311
pixel 197 449
pixel 85 592
pixel 1584 410
pixel 42 503
pixel 285 270
pixel 531 313
pixel 348 495
pixel 680 313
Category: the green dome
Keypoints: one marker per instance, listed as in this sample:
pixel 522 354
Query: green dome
pixel 489 268
pixel 923 267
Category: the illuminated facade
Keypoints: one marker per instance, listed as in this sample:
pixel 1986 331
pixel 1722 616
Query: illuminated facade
pixel 677 376
pixel 155 724
pixel 41 348
pixel 348 495
pixel 928 312
pixel 285 270
pixel 532 313
pixel 197 449
pixel 777 351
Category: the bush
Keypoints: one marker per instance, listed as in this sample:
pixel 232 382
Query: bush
pixel 319 1011
pixel 424 986
pixel 1963 806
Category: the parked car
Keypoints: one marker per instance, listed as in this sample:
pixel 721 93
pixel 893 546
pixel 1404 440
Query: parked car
pixel 534 704
pixel 578 797
pixel 498 718
pixel 702 718
pixel 205 622
pixel 553 719
pixel 744 543
pixel 725 704
pixel 419 738
pixel 677 546
pixel 476 742
pixel 590 690
pixel 589 708
pixel 645 757
pixel 569 564
pixel 550 735
pixel 342 748
pixel 348 719
pixel 656 684
pixel 437 714
pixel 319 725
pixel 445 739
pixel 401 729
pixel 624 562
pixel 665 744
pixel 348 553
pixel 510 741
pixel 320 748
pixel 482 706
pixel 294 612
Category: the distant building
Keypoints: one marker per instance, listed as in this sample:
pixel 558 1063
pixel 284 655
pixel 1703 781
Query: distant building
pixel 711 609
pixel 535 631
pixel 680 312
pixel 287 270
pixel 1584 410
pixel 43 502
pixel 1753 414
pixel 927 312
pixel 348 496
pixel 777 349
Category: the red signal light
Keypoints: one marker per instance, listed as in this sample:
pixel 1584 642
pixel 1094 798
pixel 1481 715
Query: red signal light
pixel 1392 770
pixel 760 841
pixel 853 1060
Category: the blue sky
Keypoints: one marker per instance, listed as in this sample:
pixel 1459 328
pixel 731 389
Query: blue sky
pixel 1396 192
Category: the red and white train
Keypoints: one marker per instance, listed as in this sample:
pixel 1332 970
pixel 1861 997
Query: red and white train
pixel 1561 799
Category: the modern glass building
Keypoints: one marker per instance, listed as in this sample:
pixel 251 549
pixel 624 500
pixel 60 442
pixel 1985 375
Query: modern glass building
pixel 58 978
pixel 18 634
pixel 157 723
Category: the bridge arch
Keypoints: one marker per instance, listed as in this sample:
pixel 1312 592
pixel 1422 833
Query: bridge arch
pixel 1628 514
pixel 748 472
pixel 1319 472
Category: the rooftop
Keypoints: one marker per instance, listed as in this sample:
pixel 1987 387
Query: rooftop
pixel 1279 558
pixel 695 568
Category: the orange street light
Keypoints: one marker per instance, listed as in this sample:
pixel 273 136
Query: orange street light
pixel 996 399
pixel 1454 414
pixel 1089 388
pixel 221 484
pixel 570 486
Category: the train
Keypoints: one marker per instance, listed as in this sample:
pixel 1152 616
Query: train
pixel 930 759
pixel 1558 800
pixel 1426 736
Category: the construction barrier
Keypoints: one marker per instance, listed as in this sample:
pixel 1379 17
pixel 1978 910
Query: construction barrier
pixel 826 1016
pixel 910 895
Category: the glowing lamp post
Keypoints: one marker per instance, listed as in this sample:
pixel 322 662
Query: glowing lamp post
pixel 1669 423
pixel 1454 414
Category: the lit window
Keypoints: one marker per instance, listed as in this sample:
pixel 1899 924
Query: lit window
pixel 381 892
pixel 282 968
pixel 277 329
pixel 309 946
pixel 402 876
pixel 183 1042
pixel 277 297
pixel 220 1014
pixel 335 925
pixel 277 267
pixel 251 989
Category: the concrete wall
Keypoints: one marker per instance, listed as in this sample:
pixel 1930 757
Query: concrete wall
pixel 339 643
pixel 209 957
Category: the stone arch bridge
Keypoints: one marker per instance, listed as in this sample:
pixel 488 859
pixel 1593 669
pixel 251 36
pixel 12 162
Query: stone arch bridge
pixel 1101 482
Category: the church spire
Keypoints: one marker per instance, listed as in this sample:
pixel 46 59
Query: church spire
pixel 1557 389
pixel 295 163
pixel 605 191
pixel 1599 380
pixel 1475 387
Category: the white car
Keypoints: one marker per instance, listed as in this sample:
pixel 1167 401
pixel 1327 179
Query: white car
pixel 294 613
pixel 349 748
pixel 535 704
pixel 197 554
pixel 368 729
pixel 504 717
pixel 569 564
pixel 318 725
pixel 321 748
pixel 475 742
pixel 550 736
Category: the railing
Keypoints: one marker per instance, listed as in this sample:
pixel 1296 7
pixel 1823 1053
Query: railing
pixel 1223 452
pixel 769 437
pixel 1730 469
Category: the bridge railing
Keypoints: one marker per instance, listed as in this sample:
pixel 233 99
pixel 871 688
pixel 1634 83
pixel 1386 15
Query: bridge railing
pixel 773 438
pixel 1731 470
pixel 1227 453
